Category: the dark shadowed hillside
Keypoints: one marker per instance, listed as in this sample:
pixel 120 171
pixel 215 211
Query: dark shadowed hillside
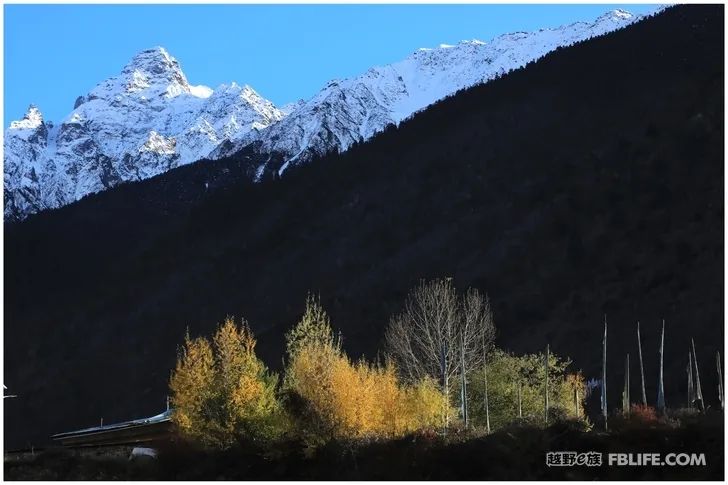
pixel 590 182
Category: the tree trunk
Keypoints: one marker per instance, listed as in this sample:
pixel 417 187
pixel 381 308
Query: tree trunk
pixel 445 388
pixel 485 387
pixel 487 406
pixel 520 406
pixel 463 386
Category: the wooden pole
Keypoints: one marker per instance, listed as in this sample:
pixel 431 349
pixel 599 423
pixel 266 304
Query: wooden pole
pixel 625 392
pixel 691 388
pixel 546 387
pixel 642 367
pixel 604 375
pixel 660 384
pixel 721 396
pixel 698 390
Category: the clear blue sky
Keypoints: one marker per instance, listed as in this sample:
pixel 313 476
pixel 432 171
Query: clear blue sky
pixel 54 53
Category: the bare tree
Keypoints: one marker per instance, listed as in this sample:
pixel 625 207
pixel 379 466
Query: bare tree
pixel 438 333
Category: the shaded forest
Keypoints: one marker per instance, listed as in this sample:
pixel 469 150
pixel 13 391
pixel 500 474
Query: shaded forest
pixel 589 182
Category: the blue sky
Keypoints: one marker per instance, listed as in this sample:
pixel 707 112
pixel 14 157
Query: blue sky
pixel 54 53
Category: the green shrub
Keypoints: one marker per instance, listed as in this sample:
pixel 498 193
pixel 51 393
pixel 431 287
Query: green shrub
pixel 504 373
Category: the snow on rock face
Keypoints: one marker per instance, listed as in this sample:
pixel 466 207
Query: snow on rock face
pixel 32 119
pixel 149 119
pixel 157 143
pixel 25 144
pixel 151 73
pixel 143 122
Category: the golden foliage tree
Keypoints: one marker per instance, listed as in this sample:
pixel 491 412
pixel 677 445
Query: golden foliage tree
pixel 192 389
pixel 341 399
pixel 222 392
pixel 314 329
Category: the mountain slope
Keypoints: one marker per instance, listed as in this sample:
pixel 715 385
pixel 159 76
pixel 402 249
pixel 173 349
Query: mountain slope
pixel 149 119
pixel 590 182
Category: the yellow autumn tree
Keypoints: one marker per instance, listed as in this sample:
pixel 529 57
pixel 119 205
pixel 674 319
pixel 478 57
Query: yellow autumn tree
pixel 222 392
pixel 337 398
pixel 424 406
pixel 391 408
pixel 314 329
pixel 193 392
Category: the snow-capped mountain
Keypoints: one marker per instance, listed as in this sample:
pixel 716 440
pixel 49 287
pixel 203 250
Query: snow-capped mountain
pixel 143 122
pixel 351 110
pixel 149 119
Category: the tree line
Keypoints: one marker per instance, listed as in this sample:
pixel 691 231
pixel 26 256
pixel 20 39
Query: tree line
pixel 439 370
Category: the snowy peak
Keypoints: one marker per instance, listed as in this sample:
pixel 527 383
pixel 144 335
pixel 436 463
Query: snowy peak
pixel 249 95
pixel 155 67
pixel 33 119
pixel 243 93
pixel 155 61
pixel 144 121
pixel 237 109
pixel 616 15
pixel 150 74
